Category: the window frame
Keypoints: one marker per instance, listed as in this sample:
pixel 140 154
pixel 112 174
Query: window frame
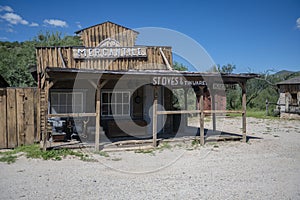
pixel 113 94
pixel 67 92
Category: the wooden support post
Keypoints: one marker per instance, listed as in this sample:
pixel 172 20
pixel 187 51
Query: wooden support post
pixel 185 116
pixel 97 133
pixel 45 105
pixel 201 107
pixel 213 107
pixel 244 102
pixel 154 116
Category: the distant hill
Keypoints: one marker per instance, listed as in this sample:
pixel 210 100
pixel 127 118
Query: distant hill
pixel 285 75
pixel 283 72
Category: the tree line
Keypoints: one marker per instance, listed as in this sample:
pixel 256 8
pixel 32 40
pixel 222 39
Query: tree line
pixel 17 59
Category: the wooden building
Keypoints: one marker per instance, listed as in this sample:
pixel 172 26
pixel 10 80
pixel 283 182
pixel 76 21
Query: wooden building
pixel 289 98
pixel 113 87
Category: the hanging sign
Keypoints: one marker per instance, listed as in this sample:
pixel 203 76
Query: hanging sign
pixel 109 48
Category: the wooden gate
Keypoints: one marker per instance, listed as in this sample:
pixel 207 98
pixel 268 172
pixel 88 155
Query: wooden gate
pixel 19 117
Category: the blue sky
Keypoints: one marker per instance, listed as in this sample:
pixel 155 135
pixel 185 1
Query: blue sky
pixel 255 35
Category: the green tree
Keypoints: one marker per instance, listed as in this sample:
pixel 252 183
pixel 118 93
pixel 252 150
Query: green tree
pixel 179 66
pixel 16 58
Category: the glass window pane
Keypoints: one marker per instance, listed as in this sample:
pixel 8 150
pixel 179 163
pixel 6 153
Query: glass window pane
pixel 111 98
pixel 68 98
pixel 62 109
pixel 77 109
pixel 125 109
pixel 62 99
pixel 119 109
pixel 126 97
pixel 68 108
pixel 54 99
pixel 104 97
pixel 113 109
pixel 104 109
pixel 77 101
pixel 55 109
pixel 119 97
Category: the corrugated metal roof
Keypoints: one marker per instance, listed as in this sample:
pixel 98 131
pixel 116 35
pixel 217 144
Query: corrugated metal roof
pixel 295 80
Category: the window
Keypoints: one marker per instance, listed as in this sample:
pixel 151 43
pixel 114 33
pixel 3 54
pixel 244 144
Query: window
pixel 66 102
pixel 294 99
pixel 115 103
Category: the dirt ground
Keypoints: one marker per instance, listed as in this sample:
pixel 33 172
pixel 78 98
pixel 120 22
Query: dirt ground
pixel 266 167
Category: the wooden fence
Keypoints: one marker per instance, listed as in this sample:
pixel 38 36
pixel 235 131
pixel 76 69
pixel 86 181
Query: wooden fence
pixel 19 117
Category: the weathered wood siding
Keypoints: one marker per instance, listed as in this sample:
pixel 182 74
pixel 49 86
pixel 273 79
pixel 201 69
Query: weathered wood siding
pixel 92 36
pixel 19 121
pixel 63 57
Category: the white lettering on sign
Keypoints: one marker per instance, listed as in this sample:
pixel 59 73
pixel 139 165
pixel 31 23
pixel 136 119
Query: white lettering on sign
pixel 175 81
pixel 107 52
pixel 219 86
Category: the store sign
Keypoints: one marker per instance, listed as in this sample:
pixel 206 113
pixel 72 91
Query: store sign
pixel 109 48
pixel 219 86
pixel 175 81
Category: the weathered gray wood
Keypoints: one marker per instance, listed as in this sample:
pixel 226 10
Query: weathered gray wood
pixel 97 133
pixel 12 140
pixel 29 123
pixel 154 123
pixel 20 116
pixel 72 115
pixel 45 116
pixel 37 122
pixel 171 112
pixel 201 116
pixel 213 107
pixel 3 126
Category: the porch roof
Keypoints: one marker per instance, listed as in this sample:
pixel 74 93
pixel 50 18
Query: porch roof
pixel 56 73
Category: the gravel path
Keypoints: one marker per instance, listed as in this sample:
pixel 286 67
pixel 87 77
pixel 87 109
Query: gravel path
pixel 267 168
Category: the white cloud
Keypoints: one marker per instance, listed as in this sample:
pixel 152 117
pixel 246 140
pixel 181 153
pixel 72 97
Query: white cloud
pixel 33 24
pixel 6 8
pixel 56 22
pixel 298 23
pixel 13 18
pixel 3 38
pixel 78 25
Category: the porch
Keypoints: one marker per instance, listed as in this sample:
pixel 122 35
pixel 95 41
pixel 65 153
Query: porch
pixel 155 120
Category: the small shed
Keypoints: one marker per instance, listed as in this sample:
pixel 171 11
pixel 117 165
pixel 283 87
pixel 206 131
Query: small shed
pixel 289 98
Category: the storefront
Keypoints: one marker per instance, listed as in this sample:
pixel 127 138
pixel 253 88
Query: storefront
pixel 112 87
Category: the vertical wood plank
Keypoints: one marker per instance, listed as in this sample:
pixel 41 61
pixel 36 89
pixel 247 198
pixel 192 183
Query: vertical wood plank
pixel 201 106
pixel 68 62
pixel 29 105
pixel 186 90
pixel 37 114
pixel 213 107
pixel 3 126
pixel 20 95
pixel 97 134
pixel 154 116
pixel 45 115
pixel 11 118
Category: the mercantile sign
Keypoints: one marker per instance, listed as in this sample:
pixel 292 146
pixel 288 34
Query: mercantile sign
pixel 109 52
pixel 109 48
